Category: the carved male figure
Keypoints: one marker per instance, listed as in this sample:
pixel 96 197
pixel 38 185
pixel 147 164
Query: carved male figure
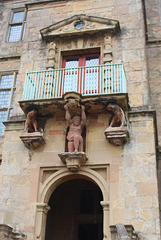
pixel 31 123
pixel 118 119
pixel 76 124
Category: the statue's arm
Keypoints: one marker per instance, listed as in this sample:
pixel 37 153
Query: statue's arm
pixel 67 114
pixel 83 119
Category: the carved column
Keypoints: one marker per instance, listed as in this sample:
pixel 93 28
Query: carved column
pixel 108 50
pixel 40 224
pixel 51 56
pixel 105 205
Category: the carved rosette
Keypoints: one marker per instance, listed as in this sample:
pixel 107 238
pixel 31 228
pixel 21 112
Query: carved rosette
pixel 74 160
pixel 117 135
pixel 33 140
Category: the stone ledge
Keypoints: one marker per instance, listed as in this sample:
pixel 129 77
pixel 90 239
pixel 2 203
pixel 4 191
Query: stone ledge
pixel 73 160
pixel 7 233
pixel 129 229
pixel 12 125
pixel 117 135
pixel 33 140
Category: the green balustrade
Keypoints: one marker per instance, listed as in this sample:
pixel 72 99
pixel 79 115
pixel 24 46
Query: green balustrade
pixel 95 80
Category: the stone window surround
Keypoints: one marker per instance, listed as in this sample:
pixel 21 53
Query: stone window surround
pixel 17 23
pixel 11 89
pixel 62 37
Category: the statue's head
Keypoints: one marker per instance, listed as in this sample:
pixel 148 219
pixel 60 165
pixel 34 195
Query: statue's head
pixel 111 106
pixel 76 120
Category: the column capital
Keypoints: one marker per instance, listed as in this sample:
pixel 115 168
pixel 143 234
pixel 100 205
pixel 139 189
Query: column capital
pixel 105 205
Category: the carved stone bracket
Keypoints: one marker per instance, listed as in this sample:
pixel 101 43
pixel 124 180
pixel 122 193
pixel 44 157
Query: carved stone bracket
pixel 7 233
pixel 123 232
pixel 116 135
pixel 73 101
pixel 33 140
pixel 73 160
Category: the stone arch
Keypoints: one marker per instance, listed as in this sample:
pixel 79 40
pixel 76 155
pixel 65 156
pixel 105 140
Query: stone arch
pixel 64 175
pixel 61 176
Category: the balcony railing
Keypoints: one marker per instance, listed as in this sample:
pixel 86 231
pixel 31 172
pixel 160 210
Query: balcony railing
pixel 95 80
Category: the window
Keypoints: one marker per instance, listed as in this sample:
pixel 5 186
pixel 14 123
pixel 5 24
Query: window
pixel 17 26
pixel 7 93
pixel 81 74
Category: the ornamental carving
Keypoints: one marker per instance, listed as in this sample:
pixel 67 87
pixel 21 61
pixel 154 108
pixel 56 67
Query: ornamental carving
pixel 117 132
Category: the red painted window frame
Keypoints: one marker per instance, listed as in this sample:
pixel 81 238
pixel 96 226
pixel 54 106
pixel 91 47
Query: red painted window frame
pixel 82 62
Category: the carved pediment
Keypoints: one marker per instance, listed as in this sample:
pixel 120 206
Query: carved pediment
pixel 79 25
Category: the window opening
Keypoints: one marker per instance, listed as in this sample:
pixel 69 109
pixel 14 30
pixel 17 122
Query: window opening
pixel 7 93
pixel 81 74
pixel 17 26
pixel 80 24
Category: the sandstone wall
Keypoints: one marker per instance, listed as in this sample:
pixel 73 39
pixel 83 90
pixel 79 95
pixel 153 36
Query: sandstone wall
pixel 130 172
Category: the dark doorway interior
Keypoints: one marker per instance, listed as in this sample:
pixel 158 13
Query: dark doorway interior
pixel 76 213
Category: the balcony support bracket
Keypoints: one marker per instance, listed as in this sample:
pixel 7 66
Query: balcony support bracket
pixel 117 135
pixel 33 140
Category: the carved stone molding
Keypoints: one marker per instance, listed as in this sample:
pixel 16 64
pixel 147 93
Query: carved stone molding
pixel 91 24
pixel 116 135
pixel 33 140
pixel 120 232
pixel 7 233
pixel 73 160
pixel 51 56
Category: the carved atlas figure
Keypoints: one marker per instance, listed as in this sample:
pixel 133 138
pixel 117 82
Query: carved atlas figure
pixel 31 123
pixel 118 119
pixel 76 124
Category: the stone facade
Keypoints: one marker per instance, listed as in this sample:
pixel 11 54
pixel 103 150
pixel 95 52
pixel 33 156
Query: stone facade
pixel 126 175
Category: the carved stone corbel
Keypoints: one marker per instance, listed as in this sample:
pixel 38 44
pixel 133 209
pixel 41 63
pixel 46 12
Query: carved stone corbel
pixel 33 140
pixel 73 160
pixel 116 135
pixel 33 136
pixel 117 132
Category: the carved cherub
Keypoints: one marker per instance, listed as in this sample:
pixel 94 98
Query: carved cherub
pixel 76 124
pixel 118 119
pixel 31 123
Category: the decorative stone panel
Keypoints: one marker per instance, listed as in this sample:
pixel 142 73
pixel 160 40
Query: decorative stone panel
pixel 51 56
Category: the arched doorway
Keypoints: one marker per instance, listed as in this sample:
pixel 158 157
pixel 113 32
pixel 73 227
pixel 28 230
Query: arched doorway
pixel 76 212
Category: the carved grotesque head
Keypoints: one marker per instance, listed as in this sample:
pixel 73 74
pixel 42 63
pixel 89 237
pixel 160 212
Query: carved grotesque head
pixel 111 107
pixel 76 120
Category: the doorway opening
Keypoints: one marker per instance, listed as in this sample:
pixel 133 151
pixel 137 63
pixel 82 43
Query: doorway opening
pixel 76 212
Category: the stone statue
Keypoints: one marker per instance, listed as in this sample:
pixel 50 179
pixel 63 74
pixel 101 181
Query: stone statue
pixel 31 123
pixel 76 124
pixel 118 119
